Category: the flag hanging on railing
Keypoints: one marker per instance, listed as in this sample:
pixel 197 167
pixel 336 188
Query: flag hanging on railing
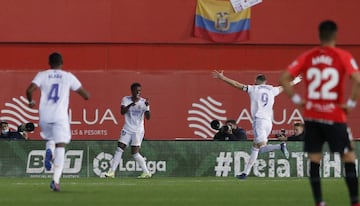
pixel 216 20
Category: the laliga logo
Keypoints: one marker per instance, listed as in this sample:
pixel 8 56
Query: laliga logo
pixel 17 113
pixel 102 163
pixel 202 114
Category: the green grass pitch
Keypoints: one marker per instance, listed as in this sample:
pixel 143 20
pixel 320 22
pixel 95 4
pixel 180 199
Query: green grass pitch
pixel 167 191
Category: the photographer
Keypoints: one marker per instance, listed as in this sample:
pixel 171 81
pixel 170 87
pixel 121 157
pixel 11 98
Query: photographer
pixel 298 132
pixel 282 135
pixel 20 134
pixel 297 136
pixel 229 132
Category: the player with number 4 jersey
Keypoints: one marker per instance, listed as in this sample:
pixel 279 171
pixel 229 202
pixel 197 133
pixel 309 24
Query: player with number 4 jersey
pixel 55 85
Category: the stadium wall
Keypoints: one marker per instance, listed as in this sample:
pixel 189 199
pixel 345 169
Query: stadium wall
pixel 183 103
pixel 179 159
pixel 154 57
pixel 163 21
pixel 157 35
pixel 109 44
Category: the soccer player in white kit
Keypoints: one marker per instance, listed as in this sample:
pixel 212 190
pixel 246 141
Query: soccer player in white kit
pixel 55 85
pixel 134 108
pixel 262 97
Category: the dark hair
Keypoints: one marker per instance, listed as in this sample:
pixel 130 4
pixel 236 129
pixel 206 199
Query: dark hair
pixel 3 122
pixel 135 85
pixel 261 78
pixel 55 60
pixel 231 121
pixel 298 124
pixel 327 30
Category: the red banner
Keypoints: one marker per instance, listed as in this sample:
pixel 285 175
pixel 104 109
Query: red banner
pixel 108 21
pixel 182 104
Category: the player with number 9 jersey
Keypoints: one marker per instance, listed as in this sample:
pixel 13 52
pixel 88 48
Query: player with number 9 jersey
pixel 262 98
pixel 55 85
pixel 324 70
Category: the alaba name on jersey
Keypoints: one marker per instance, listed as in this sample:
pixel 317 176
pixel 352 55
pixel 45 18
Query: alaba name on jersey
pixel 324 70
pixel 134 118
pixel 262 98
pixel 55 86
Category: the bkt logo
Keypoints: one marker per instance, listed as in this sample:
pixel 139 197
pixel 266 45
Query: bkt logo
pixel 73 161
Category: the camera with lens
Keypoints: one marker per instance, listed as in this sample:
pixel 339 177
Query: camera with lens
pixel 225 128
pixel 229 131
pixel 216 124
pixel 26 127
pixel 281 134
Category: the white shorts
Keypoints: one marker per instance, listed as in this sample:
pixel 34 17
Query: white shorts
pixel 131 138
pixel 59 132
pixel 262 129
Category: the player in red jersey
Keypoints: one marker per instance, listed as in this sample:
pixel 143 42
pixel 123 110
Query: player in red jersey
pixel 324 69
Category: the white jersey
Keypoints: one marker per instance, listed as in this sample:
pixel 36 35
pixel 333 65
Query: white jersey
pixel 262 98
pixel 55 86
pixel 134 118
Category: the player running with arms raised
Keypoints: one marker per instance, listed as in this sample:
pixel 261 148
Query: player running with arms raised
pixel 262 98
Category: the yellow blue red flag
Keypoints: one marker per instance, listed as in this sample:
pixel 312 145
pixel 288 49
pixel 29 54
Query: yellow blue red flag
pixel 217 21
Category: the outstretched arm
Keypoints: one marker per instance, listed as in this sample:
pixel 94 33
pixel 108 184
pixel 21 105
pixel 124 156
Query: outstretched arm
pixel 220 75
pixel 295 81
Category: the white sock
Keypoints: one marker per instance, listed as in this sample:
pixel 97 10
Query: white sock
pixel 141 161
pixel 58 163
pixel 252 159
pixel 116 160
pixel 269 148
pixel 50 144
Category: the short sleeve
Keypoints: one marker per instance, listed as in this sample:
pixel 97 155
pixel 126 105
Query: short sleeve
pixel 250 88
pixel 276 91
pixel 37 79
pixel 349 63
pixel 296 66
pixel 124 101
pixel 75 83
